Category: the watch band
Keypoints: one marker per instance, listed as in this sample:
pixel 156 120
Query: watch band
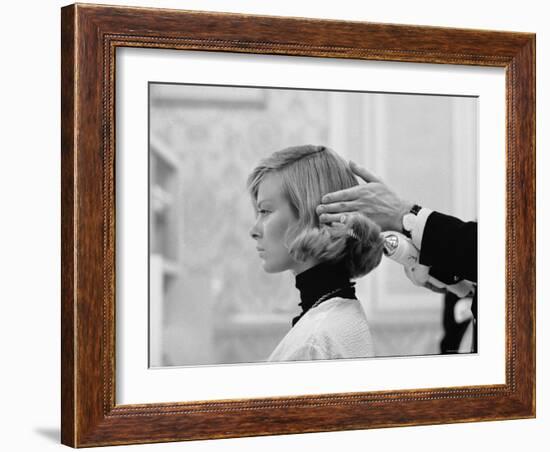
pixel 409 218
pixel 415 209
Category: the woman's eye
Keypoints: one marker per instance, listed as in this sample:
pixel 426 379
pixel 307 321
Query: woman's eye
pixel 263 212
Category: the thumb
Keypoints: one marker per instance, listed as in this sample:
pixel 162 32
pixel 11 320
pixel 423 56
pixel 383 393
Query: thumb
pixel 363 173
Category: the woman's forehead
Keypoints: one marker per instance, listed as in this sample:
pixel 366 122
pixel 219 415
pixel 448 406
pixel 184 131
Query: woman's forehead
pixel 270 188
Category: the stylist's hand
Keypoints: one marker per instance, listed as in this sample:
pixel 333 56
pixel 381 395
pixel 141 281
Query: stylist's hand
pixel 373 199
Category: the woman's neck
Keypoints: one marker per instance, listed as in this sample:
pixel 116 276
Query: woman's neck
pixel 304 266
pixel 321 280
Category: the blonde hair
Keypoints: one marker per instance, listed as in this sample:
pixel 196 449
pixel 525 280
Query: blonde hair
pixel 308 173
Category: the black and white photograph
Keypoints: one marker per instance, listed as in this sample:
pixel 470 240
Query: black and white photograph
pixel 292 224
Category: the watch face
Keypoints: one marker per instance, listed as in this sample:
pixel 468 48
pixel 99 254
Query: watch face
pixel 408 221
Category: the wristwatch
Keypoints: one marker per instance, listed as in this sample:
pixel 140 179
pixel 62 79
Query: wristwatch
pixel 409 220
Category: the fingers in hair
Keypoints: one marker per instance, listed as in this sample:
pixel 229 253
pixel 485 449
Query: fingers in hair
pixel 337 207
pixel 328 218
pixel 349 194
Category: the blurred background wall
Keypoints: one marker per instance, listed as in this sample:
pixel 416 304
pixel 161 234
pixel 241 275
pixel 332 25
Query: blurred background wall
pixel 210 300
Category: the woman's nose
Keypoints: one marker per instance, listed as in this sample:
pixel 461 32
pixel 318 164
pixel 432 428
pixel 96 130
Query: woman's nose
pixel 254 231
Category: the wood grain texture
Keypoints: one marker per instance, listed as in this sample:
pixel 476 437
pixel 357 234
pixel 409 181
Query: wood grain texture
pixel 68 244
pixel 90 36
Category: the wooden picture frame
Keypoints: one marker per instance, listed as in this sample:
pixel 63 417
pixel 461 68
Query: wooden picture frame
pixel 90 36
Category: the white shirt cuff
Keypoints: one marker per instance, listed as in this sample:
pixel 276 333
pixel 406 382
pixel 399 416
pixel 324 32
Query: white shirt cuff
pixel 419 225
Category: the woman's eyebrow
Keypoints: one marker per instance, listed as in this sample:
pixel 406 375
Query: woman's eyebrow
pixel 259 204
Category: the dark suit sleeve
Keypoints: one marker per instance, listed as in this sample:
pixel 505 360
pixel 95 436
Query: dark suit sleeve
pixel 449 247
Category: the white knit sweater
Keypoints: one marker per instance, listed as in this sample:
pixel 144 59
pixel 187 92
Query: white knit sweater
pixel 336 328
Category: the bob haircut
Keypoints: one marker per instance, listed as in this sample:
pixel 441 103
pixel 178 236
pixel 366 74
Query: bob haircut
pixel 308 173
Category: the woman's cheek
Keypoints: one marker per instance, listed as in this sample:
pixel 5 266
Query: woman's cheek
pixel 268 226
pixel 279 225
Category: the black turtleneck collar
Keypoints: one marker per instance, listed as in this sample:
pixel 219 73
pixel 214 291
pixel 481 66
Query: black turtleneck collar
pixel 321 280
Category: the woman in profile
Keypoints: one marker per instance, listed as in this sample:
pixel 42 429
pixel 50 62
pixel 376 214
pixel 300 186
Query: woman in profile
pixel 286 188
